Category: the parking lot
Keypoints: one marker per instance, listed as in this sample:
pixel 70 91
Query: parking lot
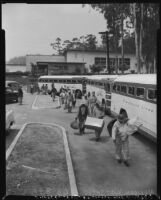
pixel 95 168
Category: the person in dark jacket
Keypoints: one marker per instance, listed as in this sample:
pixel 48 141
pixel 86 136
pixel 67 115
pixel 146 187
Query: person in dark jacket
pixel 53 93
pixel 20 95
pixel 81 116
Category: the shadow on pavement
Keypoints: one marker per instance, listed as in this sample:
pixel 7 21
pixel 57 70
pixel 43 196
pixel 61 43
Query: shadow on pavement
pixel 102 139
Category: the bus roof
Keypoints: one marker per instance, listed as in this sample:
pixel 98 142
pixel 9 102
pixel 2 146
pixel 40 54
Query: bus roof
pixel 60 77
pixel 102 77
pixel 137 78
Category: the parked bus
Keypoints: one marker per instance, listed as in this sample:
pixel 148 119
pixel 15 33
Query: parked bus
pixel 136 94
pixel 76 83
pixel 101 85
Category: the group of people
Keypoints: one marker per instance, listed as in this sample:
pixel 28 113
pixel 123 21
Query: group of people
pixel 120 128
pixel 44 89
pixel 67 97
pixel 90 107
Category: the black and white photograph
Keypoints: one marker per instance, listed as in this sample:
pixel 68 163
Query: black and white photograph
pixel 81 99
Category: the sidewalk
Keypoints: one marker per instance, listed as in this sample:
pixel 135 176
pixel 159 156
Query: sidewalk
pixel 95 167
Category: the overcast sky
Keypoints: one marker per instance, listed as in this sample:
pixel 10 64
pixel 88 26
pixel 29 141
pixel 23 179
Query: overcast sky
pixel 29 29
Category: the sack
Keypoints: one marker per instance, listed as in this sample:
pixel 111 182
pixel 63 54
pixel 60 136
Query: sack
pixel 133 125
pixel 94 123
pixel 110 125
pixel 74 124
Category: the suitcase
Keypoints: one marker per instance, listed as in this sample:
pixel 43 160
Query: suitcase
pixel 94 123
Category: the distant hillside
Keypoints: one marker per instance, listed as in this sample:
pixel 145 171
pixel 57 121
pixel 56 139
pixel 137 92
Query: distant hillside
pixel 20 60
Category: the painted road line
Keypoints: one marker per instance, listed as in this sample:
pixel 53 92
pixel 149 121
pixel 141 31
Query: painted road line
pixel 72 180
pixel 33 104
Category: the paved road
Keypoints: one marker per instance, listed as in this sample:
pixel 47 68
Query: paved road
pixel 96 170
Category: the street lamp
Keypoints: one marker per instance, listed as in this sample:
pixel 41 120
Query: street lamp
pixel 107 46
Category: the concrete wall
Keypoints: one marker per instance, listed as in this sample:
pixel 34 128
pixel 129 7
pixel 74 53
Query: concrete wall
pixel 65 68
pixel 89 58
pixel 42 58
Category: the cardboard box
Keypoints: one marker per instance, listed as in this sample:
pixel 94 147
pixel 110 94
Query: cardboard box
pixel 94 123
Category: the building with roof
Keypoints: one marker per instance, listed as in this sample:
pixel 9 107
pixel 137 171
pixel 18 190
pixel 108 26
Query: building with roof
pixel 78 61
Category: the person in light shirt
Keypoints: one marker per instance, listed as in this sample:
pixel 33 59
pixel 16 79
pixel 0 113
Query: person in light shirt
pixel 98 113
pixel 120 139
pixel 121 130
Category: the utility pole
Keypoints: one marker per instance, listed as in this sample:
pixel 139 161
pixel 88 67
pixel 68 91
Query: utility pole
pixel 107 45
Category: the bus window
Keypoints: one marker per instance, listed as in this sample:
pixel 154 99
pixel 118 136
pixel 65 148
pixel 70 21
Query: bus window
pixel 140 92
pixel 123 88
pixel 92 82
pixel 68 81
pixel 114 87
pixel 50 80
pixel 131 90
pixel 73 81
pixel 152 94
pixel 118 88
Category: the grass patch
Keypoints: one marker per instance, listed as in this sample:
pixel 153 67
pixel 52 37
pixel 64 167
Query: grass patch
pixel 37 165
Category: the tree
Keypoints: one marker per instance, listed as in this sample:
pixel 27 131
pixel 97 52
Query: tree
pixel 95 68
pixel 34 69
pixel 115 15
pixel 20 60
pixel 143 18
pixel 57 46
pixel 90 41
pixel 123 67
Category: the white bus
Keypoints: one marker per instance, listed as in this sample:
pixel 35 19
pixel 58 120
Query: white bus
pixel 67 82
pixel 136 94
pixel 101 85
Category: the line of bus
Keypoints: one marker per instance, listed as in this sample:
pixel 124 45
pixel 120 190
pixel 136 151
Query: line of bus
pixel 134 93
pixel 102 86
pixel 76 83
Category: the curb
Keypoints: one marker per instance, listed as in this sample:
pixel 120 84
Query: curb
pixel 72 180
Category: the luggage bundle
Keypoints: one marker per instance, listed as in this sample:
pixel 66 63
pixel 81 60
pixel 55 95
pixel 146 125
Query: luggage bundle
pixel 94 123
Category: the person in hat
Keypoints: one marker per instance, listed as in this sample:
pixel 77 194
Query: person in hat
pixel 120 138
